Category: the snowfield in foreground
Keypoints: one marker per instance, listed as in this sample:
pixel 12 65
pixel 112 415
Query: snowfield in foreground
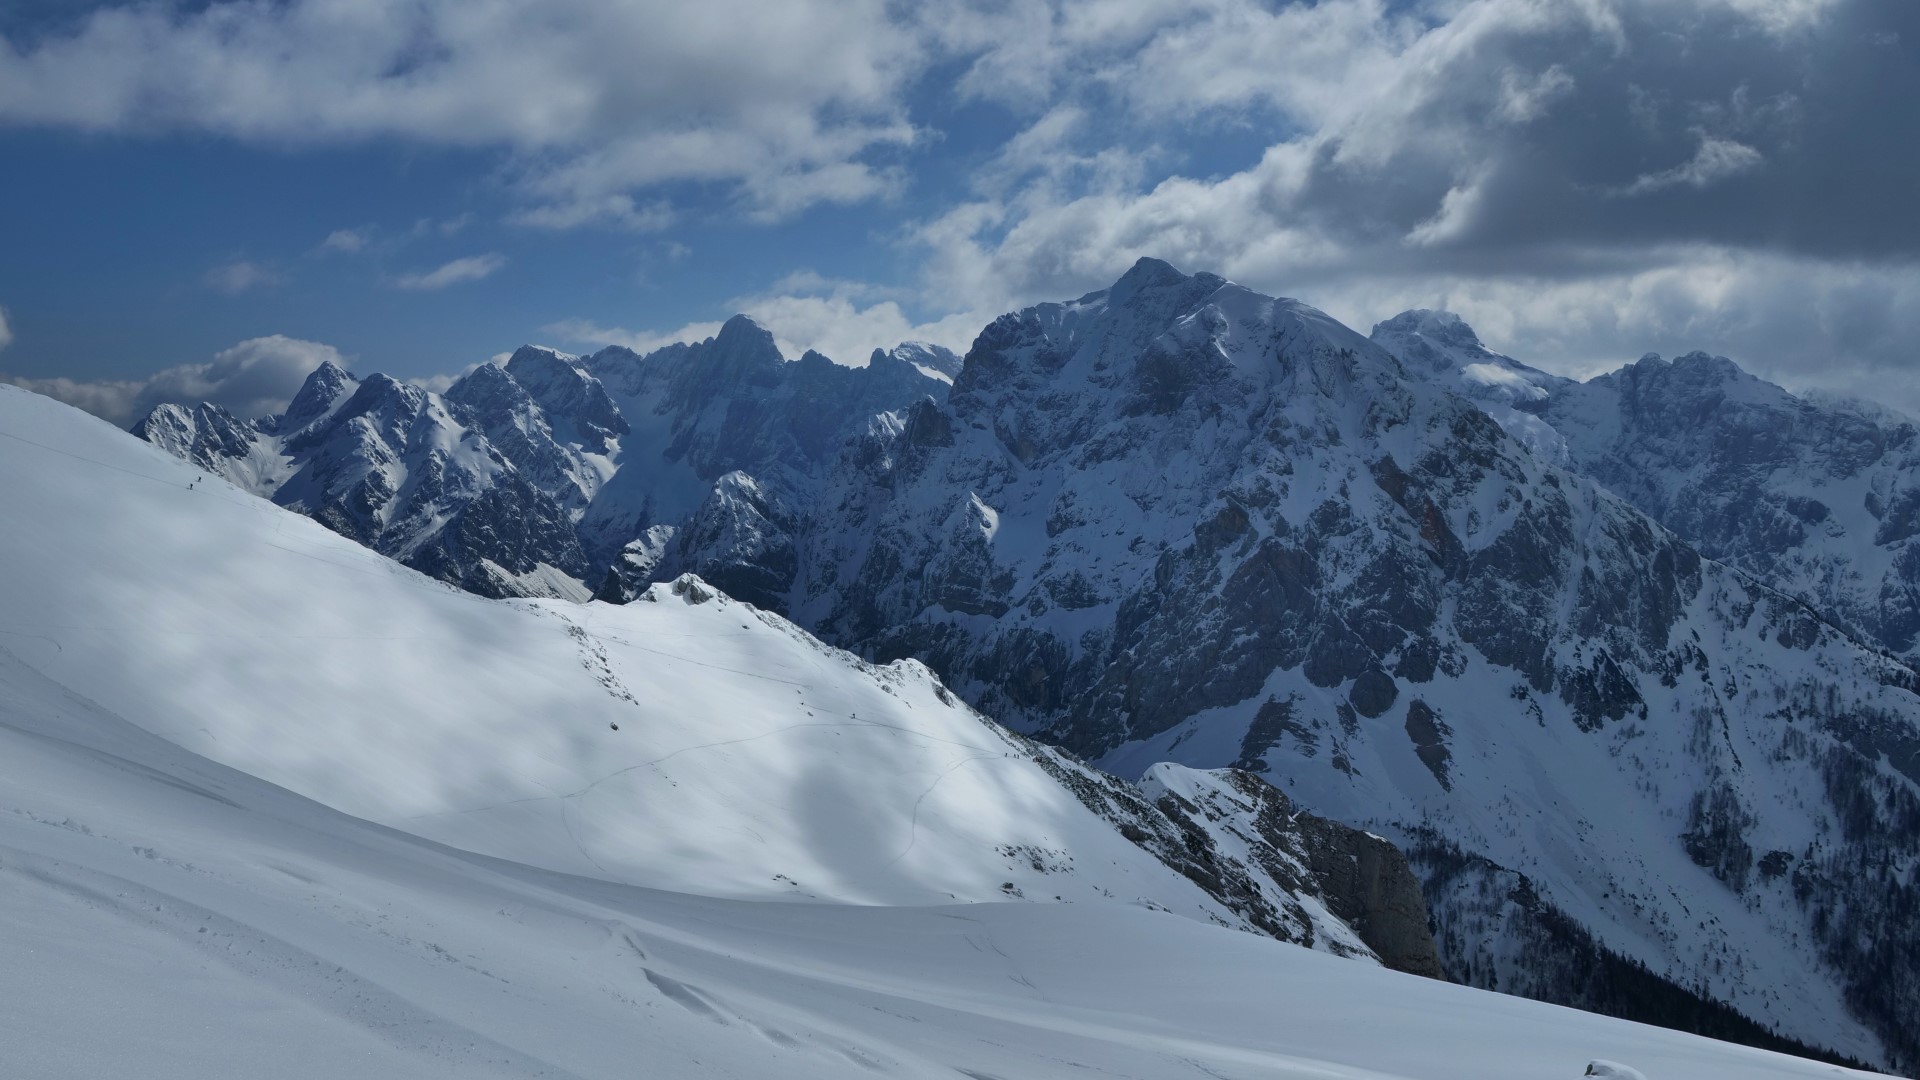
pixel 679 839
pixel 169 917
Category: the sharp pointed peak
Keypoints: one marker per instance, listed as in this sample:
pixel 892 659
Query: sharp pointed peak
pixel 744 329
pixel 1147 270
pixel 1146 273
pixel 744 339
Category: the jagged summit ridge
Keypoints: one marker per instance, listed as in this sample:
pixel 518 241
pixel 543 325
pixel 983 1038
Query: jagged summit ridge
pixel 534 476
pixel 1810 496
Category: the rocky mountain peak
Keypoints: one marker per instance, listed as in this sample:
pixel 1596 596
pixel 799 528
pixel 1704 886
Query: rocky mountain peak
pixel 744 341
pixel 205 434
pixel 385 395
pixel 488 392
pixel 1145 275
pixel 933 361
pixel 570 395
pixel 1691 383
pixel 1438 341
pixel 486 386
pixel 1440 326
pixel 325 387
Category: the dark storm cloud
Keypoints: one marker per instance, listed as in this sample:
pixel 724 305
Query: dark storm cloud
pixel 1682 123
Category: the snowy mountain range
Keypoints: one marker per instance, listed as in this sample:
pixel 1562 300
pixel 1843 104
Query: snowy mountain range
pixel 535 477
pixel 1819 498
pixel 1621 665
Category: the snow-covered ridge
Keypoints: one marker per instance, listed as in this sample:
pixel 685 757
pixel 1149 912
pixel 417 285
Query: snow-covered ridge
pixel 685 741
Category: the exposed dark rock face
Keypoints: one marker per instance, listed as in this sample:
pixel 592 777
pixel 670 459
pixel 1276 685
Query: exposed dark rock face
pixel 1429 734
pixel 1361 878
pixel 1290 874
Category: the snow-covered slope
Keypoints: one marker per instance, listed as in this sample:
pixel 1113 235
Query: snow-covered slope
pixel 687 742
pixel 170 918
pixel 684 741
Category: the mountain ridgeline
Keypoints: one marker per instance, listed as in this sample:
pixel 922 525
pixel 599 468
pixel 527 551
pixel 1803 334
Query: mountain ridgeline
pixel 1633 653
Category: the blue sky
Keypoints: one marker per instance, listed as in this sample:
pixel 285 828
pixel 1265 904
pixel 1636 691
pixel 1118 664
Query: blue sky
pixel 205 199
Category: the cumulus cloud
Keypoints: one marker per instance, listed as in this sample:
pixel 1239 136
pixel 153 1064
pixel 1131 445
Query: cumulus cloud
pixel 254 378
pixel 1584 173
pixel 782 102
pixel 470 268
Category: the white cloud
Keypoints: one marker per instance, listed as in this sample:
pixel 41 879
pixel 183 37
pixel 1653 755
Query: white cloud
pixel 1784 16
pixel 348 240
pixel 1803 323
pixel 440 384
pixel 254 378
pixel 589 333
pixel 842 330
pixel 6 331
pixel 242 275
pixel 804 311
pixel 594 101
pixel 618 210
pixel 1474 157
pixel 1717 159
pixel 1455 216
pixel 470 268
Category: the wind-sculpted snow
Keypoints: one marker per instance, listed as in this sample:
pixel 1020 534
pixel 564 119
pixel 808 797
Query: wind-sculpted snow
pixel 172 919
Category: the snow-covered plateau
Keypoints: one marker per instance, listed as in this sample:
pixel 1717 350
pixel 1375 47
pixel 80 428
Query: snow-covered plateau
pixel 273 804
